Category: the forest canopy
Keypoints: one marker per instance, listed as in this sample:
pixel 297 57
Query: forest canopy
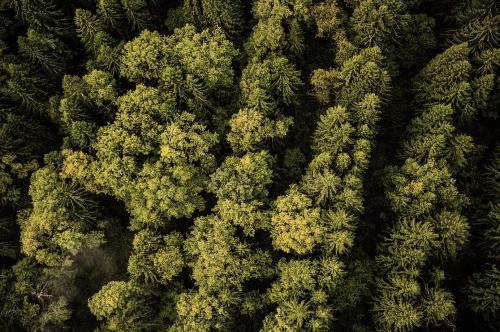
pixel 264 165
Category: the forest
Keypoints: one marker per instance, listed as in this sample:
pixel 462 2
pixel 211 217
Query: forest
pixel 249 165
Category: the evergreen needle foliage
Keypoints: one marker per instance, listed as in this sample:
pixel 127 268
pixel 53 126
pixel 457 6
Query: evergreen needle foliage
pixel 263 165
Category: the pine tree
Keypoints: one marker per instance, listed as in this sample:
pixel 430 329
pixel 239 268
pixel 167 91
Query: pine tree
pixel 426 202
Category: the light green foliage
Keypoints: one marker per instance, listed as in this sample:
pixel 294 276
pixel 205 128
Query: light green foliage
pixel 302 295
pixel 109 298
pixel 453 231
pixel 331 21
pixel 439 307
pixel 207 56
pixel 265 86
pixel 280 26
pixel 430 227
pixel 170 187
pixel 424 197
pixel 328 16
pixel 62 222
pixel 144 57
pixel 250 128
pixel 165 187
pixel 184 138
pixel 102 87
pixel 218 165
pixel 195 68
pixel 343 145
pixel 340 226
pixel 319 216
pixel 199 311
pixel 155 156
pixel 223 262
pixel 270 80
pixel 416 190
pixel 122 306
pixel 408 247
pixel 276 77
pixel 448 79
pixel 334 131
pixel 433 136
pixel 250 216
pixel 243 179
pixel 362 74
pixel 156 258
pixel 268 36
pixel 394 314
pixel 296 224
pixel 167 183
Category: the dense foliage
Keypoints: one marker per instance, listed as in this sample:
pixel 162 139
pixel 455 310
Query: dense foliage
pixel 265 165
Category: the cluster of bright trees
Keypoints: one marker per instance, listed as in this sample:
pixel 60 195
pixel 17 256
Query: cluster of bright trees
pixel 265 165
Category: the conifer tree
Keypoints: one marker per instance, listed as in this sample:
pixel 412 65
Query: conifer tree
pixel 216 13
pixel 404 36
pixel 270 80
pixel 223 263
pixel 28 72
pixel 155 156
pixel 97 41
pixel 318 217
pixel 266 165
pixel 42 15
pixel 425 199
pixel 137 13
pixel 268 83
pixel 483 285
